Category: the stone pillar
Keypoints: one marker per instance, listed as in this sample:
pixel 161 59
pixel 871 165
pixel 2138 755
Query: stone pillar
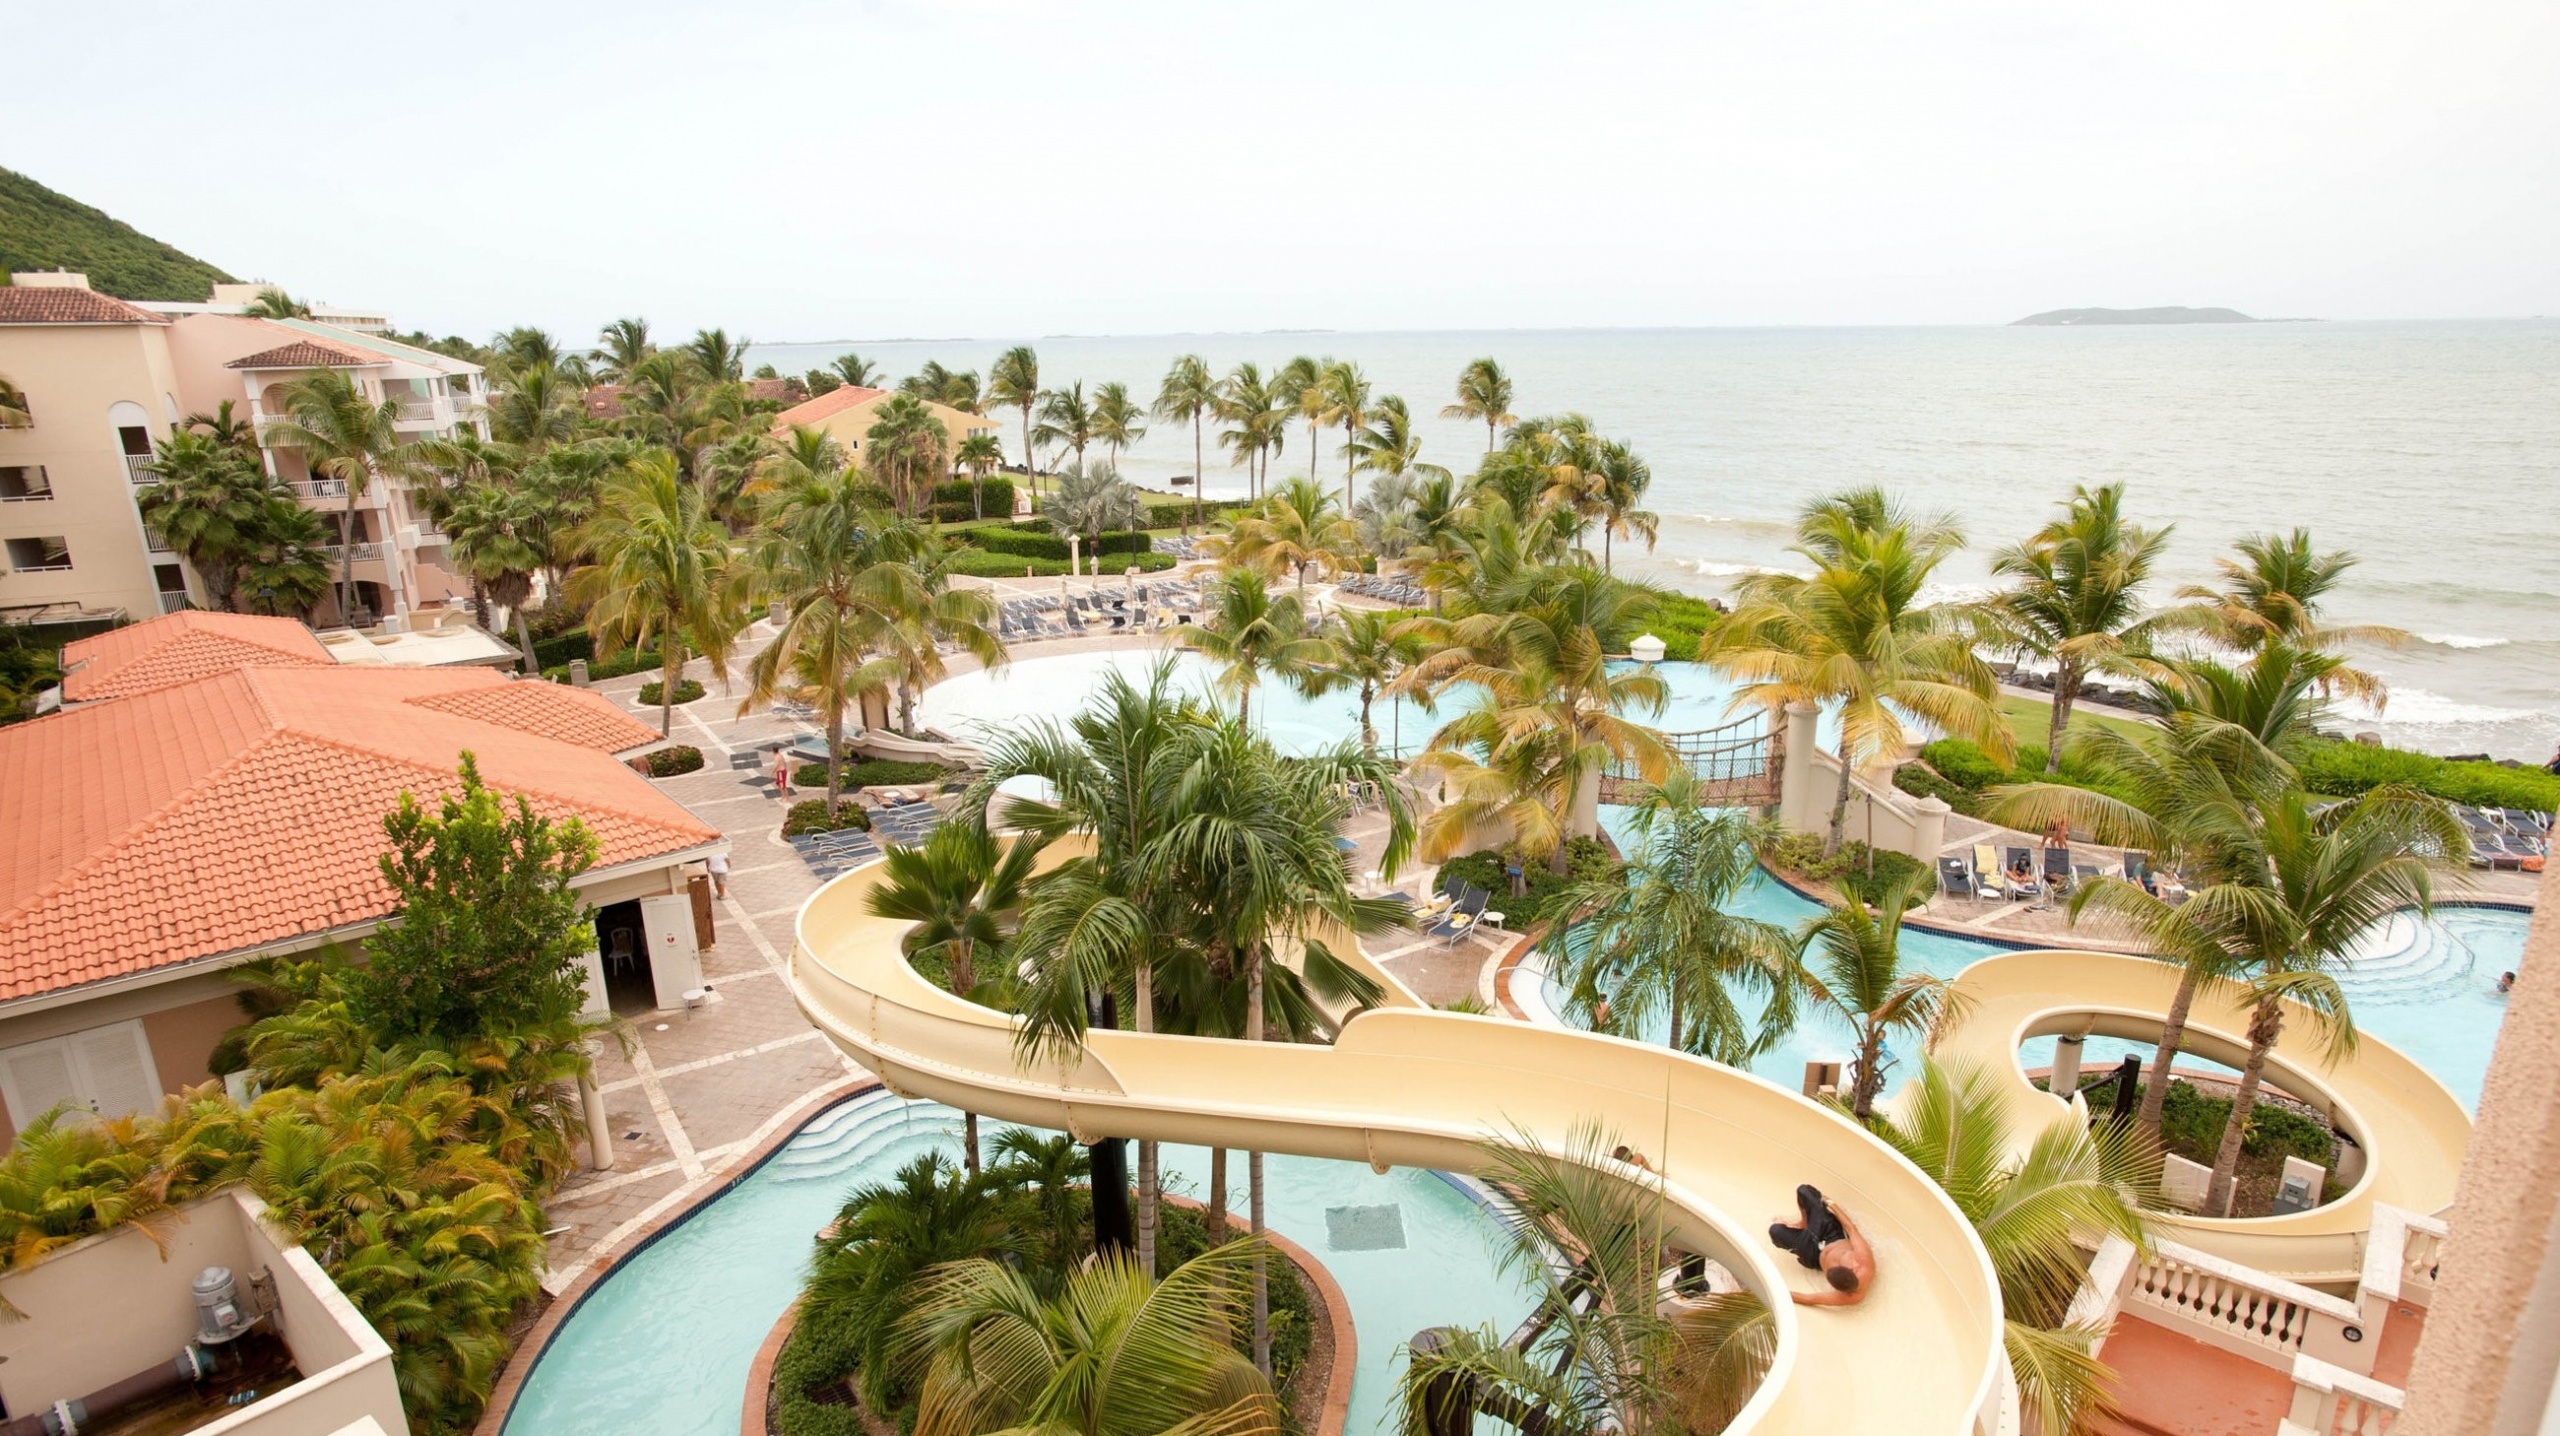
pixel 1800 793
pixel 2485 1364
pixel 599 1124
pixel 578 672
pixel 2066 1066
pixel 1929 832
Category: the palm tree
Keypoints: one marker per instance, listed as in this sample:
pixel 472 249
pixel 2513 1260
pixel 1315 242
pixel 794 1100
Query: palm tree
pixel 820 553
pixel 2077 602
pixel 1386 519
pixel 1094 502
pixel 979 453
pixel 658 575
pixel 963 889
pixel 716 357
pixel 1117 419
pixel 1299 389
pixel 1256 423
pixel 1606 1353
pixel 1661 934
pixel 854 370
pixel 1014 381
pixel 2187 794
pixel 1365 649
pixel 1548 713
pixel 1298 527
pixel 1119 1352
pixel 622 345
pixel 236 434
pixel 207 505
pixel 274 303
pixel 922 617
pixel 1855 635
pixel 1248 633
pixel 537 409
pixel 1189 395
pixel 2071 1185
pixel 1346 402
pixel 491 532
pixel 887 1236
pixel 2275 591
pixel 1066 418
pixel 1859 975
pixel 907 445
pixel 343 436
pixel 1387 445
pixel 1623 478
pixel 1484 392
pixel 284 560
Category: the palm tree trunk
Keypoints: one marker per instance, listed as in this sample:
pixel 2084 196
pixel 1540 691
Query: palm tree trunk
pixel 1840 805
pixel 480 605
pixel 1030 466
pixel 1217 1195
pixel 1147 1175
pixel 964 977
pixel 835 754
pixel 1870 1052
pixel 2066 688
pixel 1253 1178
pixel 1368 732
pixel 2173 1030
pixel 1199 475
pixel 2265 1024
pixel 524 639
pixel 1350 469
pixel 671 657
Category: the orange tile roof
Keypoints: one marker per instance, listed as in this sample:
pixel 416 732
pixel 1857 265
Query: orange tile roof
pixel 245 810
pixel 45 304
pixel 181 648
pixel 303 354
pixel 551 710
pixel 826 405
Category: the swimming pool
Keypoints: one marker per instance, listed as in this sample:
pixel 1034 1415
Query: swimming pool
pixel 661 1346
pixel 2428 988
pixel 977 705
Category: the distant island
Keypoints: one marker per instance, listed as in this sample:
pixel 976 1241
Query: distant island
pixel 2165 314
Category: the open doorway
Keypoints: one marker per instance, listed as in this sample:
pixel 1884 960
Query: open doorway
pixel 623 940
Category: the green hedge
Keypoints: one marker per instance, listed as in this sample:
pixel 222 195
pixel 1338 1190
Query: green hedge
pixel 1920 782
pixel 1682 622
pixel 872 773
pixel 2346 769
pixel 1047 544
pixel 2191 1125
pixel 687 691
pixel 668 762
pixel 1586 860
pixel 619 665
pixel 811 817
pixel 996 492
pixel 977 563
pixel 1847 869
pixel 1968 767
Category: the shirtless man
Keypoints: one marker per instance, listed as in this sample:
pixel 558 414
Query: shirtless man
pixel 1822 1237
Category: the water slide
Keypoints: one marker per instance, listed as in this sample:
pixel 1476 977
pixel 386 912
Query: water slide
pixel 1406 1085
pixel 2412 1131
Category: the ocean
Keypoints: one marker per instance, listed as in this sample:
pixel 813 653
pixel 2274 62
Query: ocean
pixel 2431 449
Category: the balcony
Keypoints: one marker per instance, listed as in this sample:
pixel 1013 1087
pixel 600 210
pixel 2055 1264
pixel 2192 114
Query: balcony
pixel 320 488
pixel 428 413
pixel 172 602
pixel 364 552
pixel 135 472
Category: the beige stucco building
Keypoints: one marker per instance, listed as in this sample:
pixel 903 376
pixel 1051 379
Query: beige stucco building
pixel 104 380
pixel 847 415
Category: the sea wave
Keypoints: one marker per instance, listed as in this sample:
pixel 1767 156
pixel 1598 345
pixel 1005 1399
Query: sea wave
pixel 2417 707
pixel 2462 640
pixel 1709 568
pixel 1758 526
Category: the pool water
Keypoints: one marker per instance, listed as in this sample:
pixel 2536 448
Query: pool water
pixel 661 1346
pixel 2428 988
pixel 977 705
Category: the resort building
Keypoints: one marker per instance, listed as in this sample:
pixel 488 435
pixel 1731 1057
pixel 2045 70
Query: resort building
pixel 236 299
pixel 847 415
pixel 215 795
pixel 103 380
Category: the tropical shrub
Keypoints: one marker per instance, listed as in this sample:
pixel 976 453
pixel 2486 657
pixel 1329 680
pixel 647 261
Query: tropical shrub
pixel 812 816
pixel 2346 769
pixel 872 773
pixel 668 762
pixel 1922 781
pixel 1964 764
pixel 1682 622
pixel 1049 544
pixel 1854 869
pixel 2191 1124
pixel 978 563
pixel 1586 860
pixel 613 665
pixel 688 690
pixel 996 492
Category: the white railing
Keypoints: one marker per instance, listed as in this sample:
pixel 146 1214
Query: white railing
pixel 172 602
pixel 321 488
pixel 37 496
pixel 154 542
pixel 2332 1401
pixel 363 551
pixel 425 411
pixel 2400 1254
pixel 134 470
pixel 2249 1313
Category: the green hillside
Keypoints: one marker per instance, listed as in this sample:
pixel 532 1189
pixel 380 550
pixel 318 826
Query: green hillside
pixel 40 229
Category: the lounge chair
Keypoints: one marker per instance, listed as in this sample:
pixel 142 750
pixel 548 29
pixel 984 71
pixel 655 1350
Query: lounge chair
pixel 1954 878
pixel 2057 869
pixel 1986 871
pixel 1427 915
pixel 1463 921
pixel 2137 866
pixel 2011 859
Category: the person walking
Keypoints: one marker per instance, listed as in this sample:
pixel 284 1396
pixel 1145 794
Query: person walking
pixel 719 866
pixel 782 774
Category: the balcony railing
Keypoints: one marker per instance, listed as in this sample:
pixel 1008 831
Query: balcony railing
pixel 172 602
pixel 425 411
pixel 34 496
pixel 320 488
pixel 363 551
pixel 155 542
pixel 134 470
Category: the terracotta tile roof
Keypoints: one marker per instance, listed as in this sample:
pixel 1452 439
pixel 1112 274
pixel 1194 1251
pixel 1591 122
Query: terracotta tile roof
pixel 181 648
pixel 246 809
pixel 304 354
pixel 35 304
pixel 778 389
pixel 825 406
pixel 604 401
pixel 551 710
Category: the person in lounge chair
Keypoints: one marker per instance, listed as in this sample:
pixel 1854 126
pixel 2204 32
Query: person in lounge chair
pixel 1825 1240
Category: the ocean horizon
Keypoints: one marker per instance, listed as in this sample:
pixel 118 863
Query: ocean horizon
pixel 2430 448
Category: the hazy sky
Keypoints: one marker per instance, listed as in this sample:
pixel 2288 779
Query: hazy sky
pixel 994 168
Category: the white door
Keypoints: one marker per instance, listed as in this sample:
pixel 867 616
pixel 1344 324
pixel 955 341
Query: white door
pixel 106 1070
pixel 597 1005
pixel 675 965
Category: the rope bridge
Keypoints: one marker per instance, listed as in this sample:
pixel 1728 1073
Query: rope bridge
pixel 1737 764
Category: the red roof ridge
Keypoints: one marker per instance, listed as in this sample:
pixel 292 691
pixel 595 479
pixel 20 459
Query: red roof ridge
pixel 505 787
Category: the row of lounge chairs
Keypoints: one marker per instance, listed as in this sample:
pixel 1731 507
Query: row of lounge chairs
pixel 1025 619
pixel 1455 914
pixel 1385 589
pixel 1997 876
pixel 2513 838
pixel 832 855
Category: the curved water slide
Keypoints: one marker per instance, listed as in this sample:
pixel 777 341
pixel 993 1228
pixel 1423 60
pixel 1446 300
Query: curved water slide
pixel 1407 1086
pixel 2412 1131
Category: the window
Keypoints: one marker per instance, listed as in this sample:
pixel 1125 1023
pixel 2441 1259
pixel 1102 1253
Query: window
pixel 39 555
pixel 15 411
pixel 24 483
pixel 135 439
pixel 106 1071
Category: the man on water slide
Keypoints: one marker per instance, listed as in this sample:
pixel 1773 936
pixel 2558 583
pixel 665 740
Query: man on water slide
pixel 1822 1237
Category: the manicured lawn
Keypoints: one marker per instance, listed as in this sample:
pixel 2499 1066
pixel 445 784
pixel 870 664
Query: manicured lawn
pixel 2030 718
